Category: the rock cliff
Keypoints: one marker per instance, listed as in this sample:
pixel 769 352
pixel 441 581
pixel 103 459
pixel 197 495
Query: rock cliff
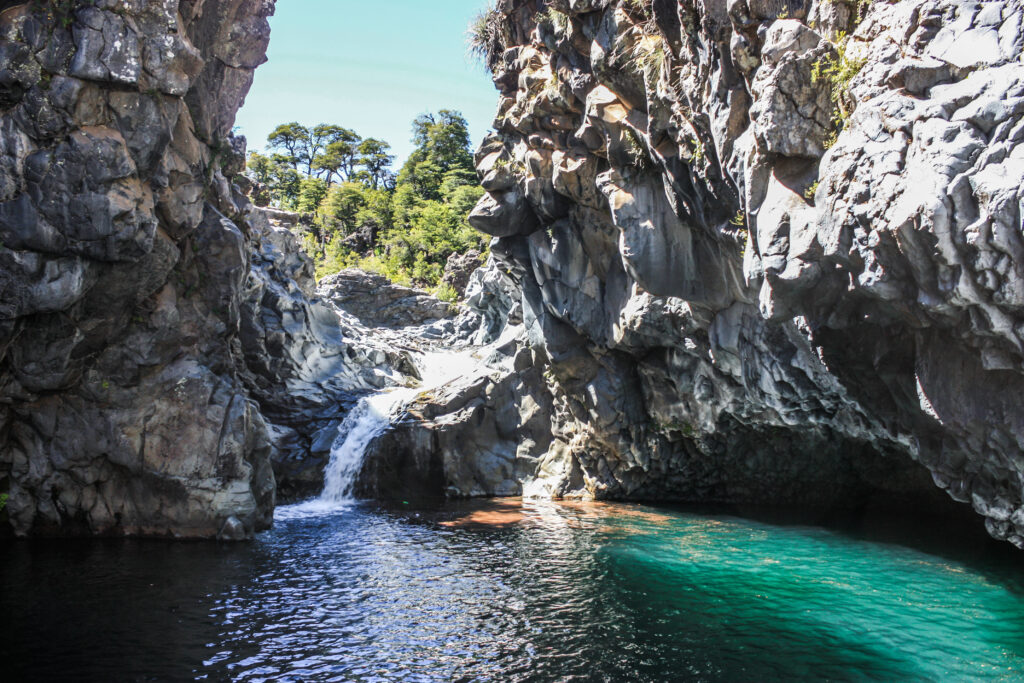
pixel 764 251
pixel 746 251
pixel 161 346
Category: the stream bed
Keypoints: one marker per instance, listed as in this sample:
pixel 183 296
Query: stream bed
pixel 514 590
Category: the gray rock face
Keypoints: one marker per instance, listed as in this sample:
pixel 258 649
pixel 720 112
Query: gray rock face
pixel 459 268
pixel 376 301
pixel 162 349
pixel 305 362
pixel 699 289
pixel 123 265
pixel 741 280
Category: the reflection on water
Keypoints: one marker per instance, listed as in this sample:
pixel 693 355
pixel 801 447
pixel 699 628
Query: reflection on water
pixel 513 591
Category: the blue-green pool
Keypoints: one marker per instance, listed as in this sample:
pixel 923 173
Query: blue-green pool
pixel 511 591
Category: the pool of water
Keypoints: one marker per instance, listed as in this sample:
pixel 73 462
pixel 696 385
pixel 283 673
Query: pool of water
pixel 513 591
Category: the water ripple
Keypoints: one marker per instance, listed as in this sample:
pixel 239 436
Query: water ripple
pixel 512 592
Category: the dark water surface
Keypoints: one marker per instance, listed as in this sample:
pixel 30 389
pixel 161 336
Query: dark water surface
pixel 519 592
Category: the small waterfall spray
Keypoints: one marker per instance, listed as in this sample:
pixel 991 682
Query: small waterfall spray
pixel 369 418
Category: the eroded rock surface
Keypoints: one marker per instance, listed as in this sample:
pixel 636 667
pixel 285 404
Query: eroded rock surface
pixel 161 344
pixel 376 301
pixel 717 274
pixel 740 280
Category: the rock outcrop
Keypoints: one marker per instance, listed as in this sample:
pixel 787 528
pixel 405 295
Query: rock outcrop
pixel 377 302
pixel 763 252
pixel 125 255
pixel 161 345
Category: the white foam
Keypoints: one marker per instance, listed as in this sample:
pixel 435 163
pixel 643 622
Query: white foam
pixel 371 417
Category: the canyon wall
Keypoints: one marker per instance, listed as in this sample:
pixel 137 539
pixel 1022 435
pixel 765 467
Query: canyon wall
pixel 757 251
pixel 161 348
pixel 763 251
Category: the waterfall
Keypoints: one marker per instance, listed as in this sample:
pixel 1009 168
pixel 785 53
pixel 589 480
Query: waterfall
pixel 369 418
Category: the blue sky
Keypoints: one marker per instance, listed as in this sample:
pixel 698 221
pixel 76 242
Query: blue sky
pixel 369 66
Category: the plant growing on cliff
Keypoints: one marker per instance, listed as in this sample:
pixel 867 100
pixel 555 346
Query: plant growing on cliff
pixel 3 501
pixel 647 57
pixel 555 18
pixel 837 70
pixel 698 153
pixel 514 167
pixel 61 11
pixel 645 8
pixel 637 151
pixel 488 36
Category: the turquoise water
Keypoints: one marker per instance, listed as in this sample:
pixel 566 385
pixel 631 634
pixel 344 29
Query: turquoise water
pixel 504 591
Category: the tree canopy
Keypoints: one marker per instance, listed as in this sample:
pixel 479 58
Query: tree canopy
pixel 402 225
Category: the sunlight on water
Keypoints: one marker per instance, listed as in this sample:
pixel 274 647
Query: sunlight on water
pixel 521 591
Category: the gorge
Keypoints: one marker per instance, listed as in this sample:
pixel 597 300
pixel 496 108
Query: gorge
pixel 730 289
pixel 745 255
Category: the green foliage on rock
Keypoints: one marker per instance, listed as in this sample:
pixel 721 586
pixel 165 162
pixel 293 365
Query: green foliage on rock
pixel 403 226
pixel 488 36
pixel 837 70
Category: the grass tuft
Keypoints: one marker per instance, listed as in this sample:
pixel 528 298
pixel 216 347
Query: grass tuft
pixel 488 36
pixel 838 71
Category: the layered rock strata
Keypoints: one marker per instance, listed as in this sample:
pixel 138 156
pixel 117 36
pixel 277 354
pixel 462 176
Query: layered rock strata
pixel 763 251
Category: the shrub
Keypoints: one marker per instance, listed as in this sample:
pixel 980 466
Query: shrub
pixel 445 292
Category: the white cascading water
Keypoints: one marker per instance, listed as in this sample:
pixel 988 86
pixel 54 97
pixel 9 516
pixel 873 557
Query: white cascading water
pixel 370 418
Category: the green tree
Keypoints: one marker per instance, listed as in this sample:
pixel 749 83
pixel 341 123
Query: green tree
pixel 341 207
pixel 374 157
pixel 444 138
pixel 324 134
pixel 312 192
pixel 404 226
pixel 463 199
pixel 277 183
pixel 290 139
pixel 442 148
pixel 260 169
pixel 286 183
pixel 340 155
